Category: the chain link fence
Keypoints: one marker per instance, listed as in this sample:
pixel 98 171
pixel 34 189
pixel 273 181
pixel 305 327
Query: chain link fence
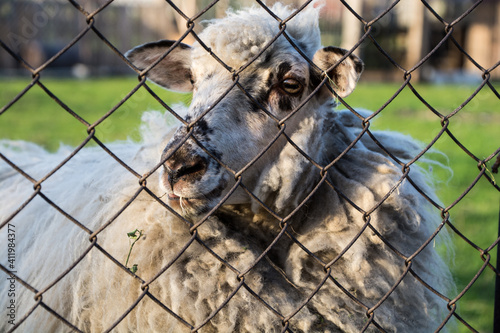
pixel 408 75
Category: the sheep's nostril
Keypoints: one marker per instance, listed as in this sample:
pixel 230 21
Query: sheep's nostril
pixel 187 171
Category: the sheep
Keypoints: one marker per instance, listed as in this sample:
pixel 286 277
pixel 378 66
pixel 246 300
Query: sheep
pixel 267 210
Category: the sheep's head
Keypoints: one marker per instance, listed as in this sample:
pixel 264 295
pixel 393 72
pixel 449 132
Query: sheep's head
pixel 236 107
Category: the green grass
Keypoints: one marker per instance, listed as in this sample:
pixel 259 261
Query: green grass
pixel 36 117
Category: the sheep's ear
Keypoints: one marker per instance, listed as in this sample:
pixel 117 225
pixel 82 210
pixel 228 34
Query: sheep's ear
pixel 172 72
pixel 344 76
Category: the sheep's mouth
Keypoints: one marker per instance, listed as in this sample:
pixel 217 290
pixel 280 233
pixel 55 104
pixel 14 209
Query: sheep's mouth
pixel 197 204
pixel 175 200
pixel 173 197
pixel 183 202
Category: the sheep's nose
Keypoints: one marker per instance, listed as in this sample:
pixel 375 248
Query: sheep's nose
pixel 188 171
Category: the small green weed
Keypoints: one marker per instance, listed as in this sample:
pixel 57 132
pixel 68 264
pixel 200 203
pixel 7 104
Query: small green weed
pixel 133 237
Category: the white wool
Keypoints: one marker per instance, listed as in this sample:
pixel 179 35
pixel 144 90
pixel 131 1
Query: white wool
pixel 197 282
pixel 194 285
pixel 243 34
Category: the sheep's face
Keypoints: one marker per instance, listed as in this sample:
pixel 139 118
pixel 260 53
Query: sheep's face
pixel 233 118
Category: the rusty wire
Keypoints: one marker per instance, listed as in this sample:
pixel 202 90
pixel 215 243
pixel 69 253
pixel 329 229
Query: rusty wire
pixel 284 221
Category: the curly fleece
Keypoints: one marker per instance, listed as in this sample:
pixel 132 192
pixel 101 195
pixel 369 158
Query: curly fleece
pixel 194 286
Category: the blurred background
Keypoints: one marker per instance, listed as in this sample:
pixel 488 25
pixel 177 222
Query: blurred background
pixel 39 29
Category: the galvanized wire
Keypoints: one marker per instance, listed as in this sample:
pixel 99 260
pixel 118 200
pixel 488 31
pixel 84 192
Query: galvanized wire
pixel 284 221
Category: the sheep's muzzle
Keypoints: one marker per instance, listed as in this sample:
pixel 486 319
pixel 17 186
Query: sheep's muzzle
pixel 186 171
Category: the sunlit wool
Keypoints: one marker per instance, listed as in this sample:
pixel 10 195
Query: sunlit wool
pixel 92 188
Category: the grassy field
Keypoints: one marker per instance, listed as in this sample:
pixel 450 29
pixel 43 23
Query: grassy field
pixel 36 117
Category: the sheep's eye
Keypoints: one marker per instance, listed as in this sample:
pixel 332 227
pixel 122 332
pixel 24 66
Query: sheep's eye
pixel 291 86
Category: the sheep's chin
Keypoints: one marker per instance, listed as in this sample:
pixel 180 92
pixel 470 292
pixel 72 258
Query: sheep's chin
pixel 192 208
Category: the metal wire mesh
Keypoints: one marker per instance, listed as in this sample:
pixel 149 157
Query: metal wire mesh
pixel 191 23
